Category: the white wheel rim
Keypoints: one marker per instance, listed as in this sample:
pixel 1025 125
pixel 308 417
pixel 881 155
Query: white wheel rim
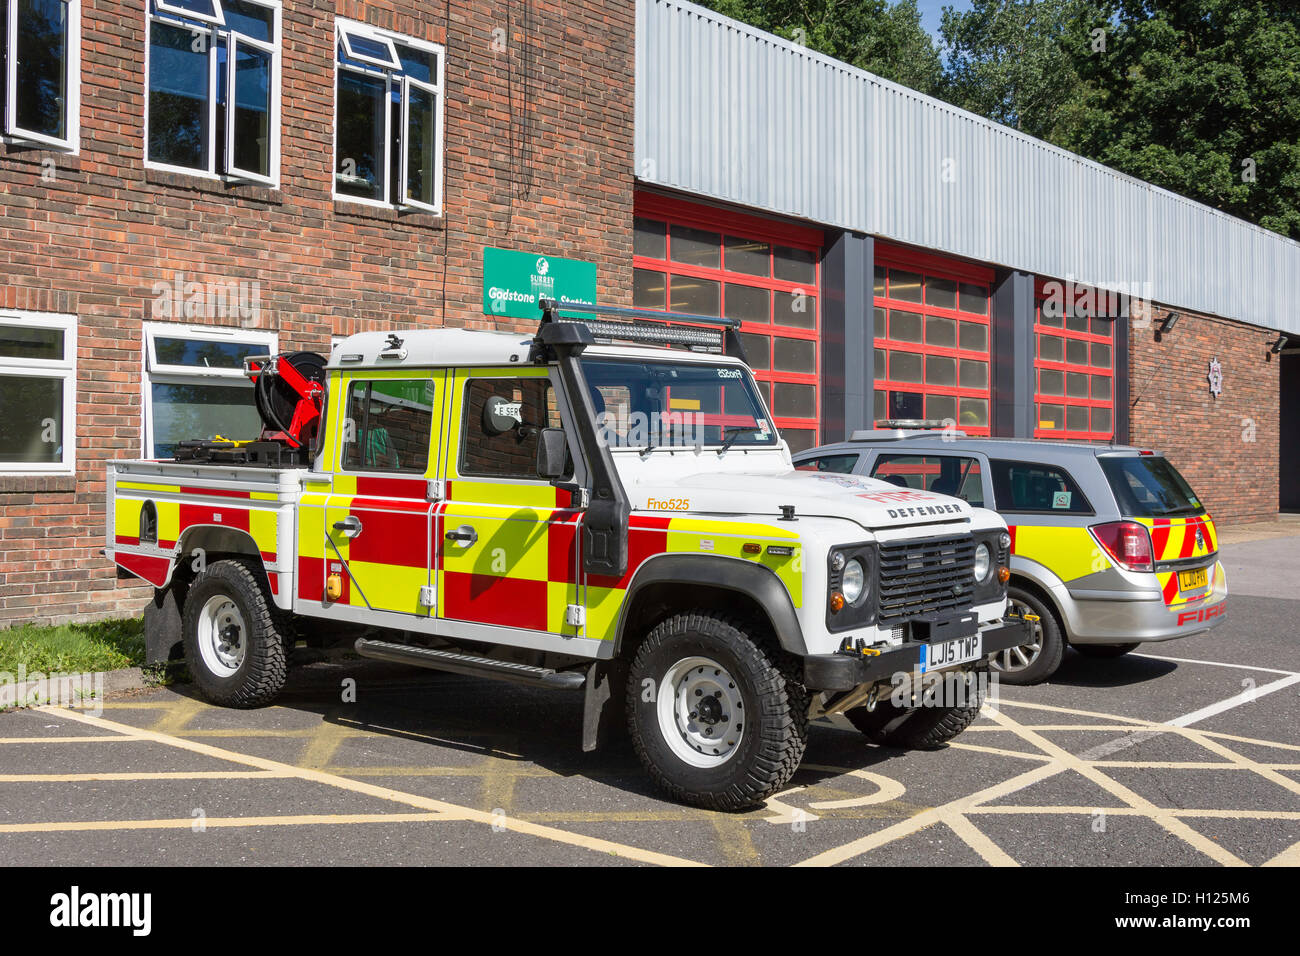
pixel 222 636
pixel 701 712
pixel 1019 658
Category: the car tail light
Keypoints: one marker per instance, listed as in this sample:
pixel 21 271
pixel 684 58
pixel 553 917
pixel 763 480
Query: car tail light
pixel 1127 542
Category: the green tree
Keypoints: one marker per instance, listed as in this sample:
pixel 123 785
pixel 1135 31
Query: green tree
pixel 883 38
pixel 1201 97
pixel 1013 61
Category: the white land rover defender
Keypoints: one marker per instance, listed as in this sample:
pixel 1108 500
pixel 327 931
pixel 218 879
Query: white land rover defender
pixel 566 511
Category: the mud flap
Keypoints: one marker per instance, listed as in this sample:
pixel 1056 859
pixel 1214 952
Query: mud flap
pixel 162 624
pixel 603 707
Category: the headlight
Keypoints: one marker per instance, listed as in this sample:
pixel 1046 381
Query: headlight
pixel 853 583
pixel 982 563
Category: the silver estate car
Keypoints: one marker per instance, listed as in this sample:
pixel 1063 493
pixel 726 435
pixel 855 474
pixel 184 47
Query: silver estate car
pixel 1110 546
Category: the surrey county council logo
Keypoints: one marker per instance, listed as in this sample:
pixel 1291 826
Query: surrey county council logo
pixel 543 266
pixel 1215 378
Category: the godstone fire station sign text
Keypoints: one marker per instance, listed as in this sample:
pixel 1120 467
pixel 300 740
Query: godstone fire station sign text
pixel 514 281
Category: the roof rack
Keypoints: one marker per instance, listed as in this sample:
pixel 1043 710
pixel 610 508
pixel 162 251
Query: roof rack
pixel 703 333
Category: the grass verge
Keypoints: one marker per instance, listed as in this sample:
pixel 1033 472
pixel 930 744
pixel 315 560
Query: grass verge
pixel 73 648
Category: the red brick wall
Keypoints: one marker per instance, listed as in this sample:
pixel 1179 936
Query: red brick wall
pixel 1226 447
pixel 95 239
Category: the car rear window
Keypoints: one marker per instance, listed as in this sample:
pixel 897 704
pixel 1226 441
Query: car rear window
pixel 1148 486
pixel 1028 487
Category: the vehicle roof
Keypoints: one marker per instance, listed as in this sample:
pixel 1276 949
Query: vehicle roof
pixel 994 447
pixel 448 348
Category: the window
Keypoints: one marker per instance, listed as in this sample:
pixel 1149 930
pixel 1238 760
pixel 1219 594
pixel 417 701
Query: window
pixel 1148 486
pixel 38 397
pixel 388 119
pixel 931 341
pixel 213 104
pixel 838 464
pixel 388 425
pixel 1026 487
pixel 1075 370
pixel 953 475
pixel 763 273
pixel 195 386
pixel 40 86
pixel 489 453
pixel 679 404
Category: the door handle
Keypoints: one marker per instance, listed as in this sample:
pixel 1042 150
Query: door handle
pixel 350 526
pixel 464 536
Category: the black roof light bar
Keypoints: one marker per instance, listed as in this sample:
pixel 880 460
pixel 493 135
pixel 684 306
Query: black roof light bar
pixel 649 327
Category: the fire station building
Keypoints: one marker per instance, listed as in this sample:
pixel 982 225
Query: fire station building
pixel 184 183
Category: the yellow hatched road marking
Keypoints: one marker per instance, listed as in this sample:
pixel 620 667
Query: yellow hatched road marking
pixel 440 807
pixel 188 823
pixel 154 775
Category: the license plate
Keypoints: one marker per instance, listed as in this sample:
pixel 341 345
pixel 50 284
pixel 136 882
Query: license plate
pixel 959 650
pixel 1192 580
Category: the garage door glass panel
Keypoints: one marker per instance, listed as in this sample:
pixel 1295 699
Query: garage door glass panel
pixel 748 269
pixel 935 341
pixel 1074 362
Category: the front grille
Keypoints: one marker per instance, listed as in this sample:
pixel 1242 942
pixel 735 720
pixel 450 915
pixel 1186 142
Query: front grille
pixel 926 575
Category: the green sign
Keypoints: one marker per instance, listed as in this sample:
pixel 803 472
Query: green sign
pixel 514 281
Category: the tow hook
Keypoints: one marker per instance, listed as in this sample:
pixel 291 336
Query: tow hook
pixel 873 699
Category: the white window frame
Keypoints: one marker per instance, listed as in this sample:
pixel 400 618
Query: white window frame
pixel 159 373
pixel 65 368
pixel 394 79
pixel 13 133
pixel 175 16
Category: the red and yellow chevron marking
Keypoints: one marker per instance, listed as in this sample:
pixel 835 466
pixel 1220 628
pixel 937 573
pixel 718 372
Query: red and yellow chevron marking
pixel 1174 539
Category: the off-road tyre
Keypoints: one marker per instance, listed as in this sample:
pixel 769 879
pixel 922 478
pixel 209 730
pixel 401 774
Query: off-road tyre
pixel 766 686
pixel 919 728
pixel 261 669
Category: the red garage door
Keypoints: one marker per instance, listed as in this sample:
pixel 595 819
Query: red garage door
pixel 1074 367
pixel 693 258
pixel 931 339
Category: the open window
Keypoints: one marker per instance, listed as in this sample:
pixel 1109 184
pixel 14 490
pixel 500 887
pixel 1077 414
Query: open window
pixel 195 386
pixel 388 119
pixel 40 91
pixel 214 88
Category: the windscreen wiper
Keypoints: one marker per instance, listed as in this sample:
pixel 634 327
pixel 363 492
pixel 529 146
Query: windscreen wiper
pixel 735 431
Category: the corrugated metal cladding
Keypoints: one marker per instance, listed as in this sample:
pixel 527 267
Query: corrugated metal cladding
pixel 729 112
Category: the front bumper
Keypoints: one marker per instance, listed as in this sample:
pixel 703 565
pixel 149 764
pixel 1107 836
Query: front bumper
pixel 845 671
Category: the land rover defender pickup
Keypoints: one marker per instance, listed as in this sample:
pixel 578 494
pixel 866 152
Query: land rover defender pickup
pixel 604 506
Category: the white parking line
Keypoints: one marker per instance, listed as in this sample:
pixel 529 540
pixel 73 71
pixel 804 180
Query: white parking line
pixel 1245 697
pixel 1240 667
pixel 1186 720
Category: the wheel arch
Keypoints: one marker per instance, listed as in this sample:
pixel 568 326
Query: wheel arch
pixel 674 582
pixel 1043 592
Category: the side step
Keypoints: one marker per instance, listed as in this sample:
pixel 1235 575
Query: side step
pixel 469 664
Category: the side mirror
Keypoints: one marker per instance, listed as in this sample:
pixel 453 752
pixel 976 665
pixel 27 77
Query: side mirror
pixel 552 454
pixel 501 415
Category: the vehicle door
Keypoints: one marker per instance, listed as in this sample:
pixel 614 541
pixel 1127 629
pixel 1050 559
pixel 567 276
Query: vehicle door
pixel 508 555
pixel 379 515
pixel 964 476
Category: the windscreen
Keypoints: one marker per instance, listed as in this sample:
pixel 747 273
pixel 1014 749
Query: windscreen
pixel 1148 486
pixel 642 404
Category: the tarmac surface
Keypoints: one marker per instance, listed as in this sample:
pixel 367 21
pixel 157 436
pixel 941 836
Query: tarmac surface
pixel 1185 752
